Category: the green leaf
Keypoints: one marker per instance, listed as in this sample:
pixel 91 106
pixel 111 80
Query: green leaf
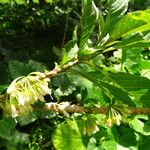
pixel 117 92
pixel 34 115
pixel 8 131
pixel 145 73
pixel 135 40
pixel 132 22
pixel 116 10
pixel 69 52
pixel 110 141
pixel 138 86
pixel 89 18
pixel 89 50
pixel 63 85
pixel 67 136
pixel 145 64
pixel 144 143
pixel 3 87
pixel 131 59
pixel 93 93
pixel 92 144
pixel 130 82
pixel 126 132
pixel 110 144
pixel 17 68
pixel 101 23
pixel 140 126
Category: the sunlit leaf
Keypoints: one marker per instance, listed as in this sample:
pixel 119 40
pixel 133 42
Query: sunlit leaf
pixel 140 126
pixel 67 136
pixel 69 51
pixel 117 92
pixel 135 40
pixel 132 22
pixel 89 18
pixel 116 10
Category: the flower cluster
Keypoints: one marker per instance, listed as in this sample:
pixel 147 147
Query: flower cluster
pixel 90 125
pixel 114 117
pixel 116 114
pixel 25 91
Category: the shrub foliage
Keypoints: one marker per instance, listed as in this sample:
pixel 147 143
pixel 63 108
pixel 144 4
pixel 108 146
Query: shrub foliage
pixel 75 75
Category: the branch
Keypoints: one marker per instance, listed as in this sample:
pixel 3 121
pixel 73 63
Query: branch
pixel 57 70
pixel 67 107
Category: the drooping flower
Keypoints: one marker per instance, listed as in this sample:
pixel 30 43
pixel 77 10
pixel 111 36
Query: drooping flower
pixel 25 91
pixel 90 125
pixel 116 114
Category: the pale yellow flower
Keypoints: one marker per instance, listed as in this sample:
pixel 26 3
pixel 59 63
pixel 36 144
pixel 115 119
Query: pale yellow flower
pixel 25 91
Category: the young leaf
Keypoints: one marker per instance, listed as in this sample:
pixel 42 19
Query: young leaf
pixel 69 51
pixel 101 23
pixel 116 10
pixel 89 18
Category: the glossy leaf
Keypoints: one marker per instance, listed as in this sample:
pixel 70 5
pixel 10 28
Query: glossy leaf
pixel 92 93
pixel 130 82
pixel 131 59
pixel 118 93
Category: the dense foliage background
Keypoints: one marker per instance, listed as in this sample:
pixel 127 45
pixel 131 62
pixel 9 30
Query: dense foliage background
pixel 33 35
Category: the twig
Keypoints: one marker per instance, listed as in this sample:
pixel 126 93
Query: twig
pixel 57 70
pixel 55 107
